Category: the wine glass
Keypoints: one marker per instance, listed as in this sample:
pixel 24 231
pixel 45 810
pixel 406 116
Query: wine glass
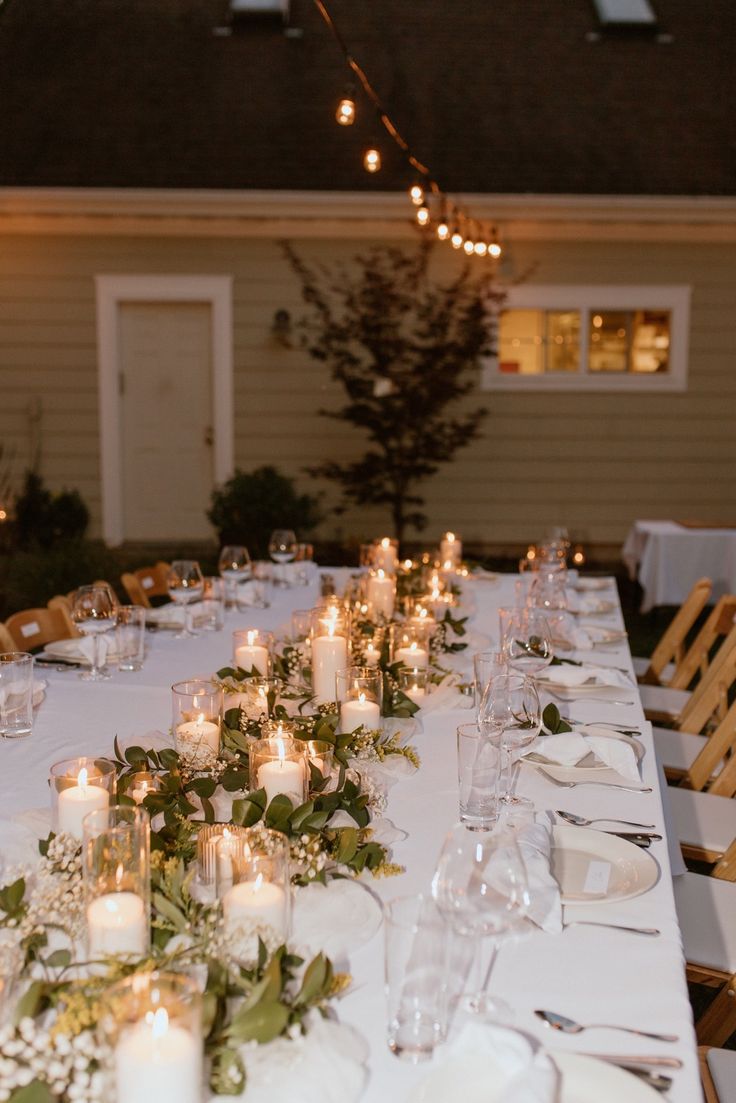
pixel 526 639
pixel 94 611
pixel 510 711
pixel 480 887
pixel 185 585
pixel 234 566
pixel 282 547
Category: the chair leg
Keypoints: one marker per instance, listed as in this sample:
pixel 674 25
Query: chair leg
pixel 718 1022
pixel 709 1088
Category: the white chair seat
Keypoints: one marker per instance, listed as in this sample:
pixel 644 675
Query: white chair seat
pixel 702 820
pixel 662 699
pixel 641 666
pixel 722 1067
pixel 677 750
pixel 706 910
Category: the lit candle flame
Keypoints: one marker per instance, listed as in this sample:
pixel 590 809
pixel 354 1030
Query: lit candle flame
pixel 119 875
pixel 450 537
pixel 281 749
pixel 385 542
pixel 159 1022
pixel 381 573
pixel 361 698
pixel 258 882
pixel 82 778
pixel 252 636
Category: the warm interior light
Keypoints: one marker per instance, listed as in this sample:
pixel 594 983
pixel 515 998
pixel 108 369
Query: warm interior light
pixel 82 778
pixel 468 246
pixel 159 1022
pixel 416 194
pixel 481 248
pixel 457 239
pixel 371 160
pixel 423 215
pixel 443 230
pixel 345 113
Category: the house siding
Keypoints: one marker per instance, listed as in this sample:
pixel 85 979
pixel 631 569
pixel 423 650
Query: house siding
pixel 591 461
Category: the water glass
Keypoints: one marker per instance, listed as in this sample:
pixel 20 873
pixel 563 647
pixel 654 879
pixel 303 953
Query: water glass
pixel 426 965
pixel 479 769
pixel 486 664
pixel 130 634
pixel 16 694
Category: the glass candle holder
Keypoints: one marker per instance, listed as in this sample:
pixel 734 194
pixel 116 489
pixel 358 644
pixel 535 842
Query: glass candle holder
pixel 360 696
pixel 330 649
pixel 254 884
pixel 208 839
pixel 451 548
pixel 117 881
pixel 380 594
pixel 386 554
pixel 151 1028
pixel 79 786
pixel 301 623
pixel 196 717
pixel 418 612
pixel 279 767
pixel 415 682
pixel 320 754
pixel 410 646
pixel 141 784
pixel 277 729
pixel 257 697
pixel 252 650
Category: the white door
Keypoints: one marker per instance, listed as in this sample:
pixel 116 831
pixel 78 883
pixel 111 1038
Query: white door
pixel 166 410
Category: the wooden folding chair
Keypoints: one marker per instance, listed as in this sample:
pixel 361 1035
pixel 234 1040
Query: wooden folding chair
pixel 64 606
pixel 706 909
pixel 33 628
pixel 670 651
pixel 145 583
pixel 7 643
pixel 718 1074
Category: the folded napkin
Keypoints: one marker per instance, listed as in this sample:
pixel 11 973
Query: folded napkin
pixel 587 674
pixel 535 844
pixel 82 649
pixel 17 689
pixel 335 919
pixel 489 1064
pixel 569 748
pixel 447 695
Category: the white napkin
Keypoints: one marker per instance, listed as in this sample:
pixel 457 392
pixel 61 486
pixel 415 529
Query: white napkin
pixel 82 649
pixel 171 615
pixel 336 918
pixel 15 689
pixel 535 844
pixel 572 676
pixel 250 594
pixel 446 695
pixel 568 748
pixel 489 1064
pixel 567 633
pixel 384 774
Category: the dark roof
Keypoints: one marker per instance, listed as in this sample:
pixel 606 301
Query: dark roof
pixel 495 95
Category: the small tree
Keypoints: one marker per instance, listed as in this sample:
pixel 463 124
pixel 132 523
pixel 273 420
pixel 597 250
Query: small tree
pixel 405 350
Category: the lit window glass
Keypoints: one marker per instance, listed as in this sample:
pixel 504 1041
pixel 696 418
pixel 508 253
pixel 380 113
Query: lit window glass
pixel 532 342
pixel 628 341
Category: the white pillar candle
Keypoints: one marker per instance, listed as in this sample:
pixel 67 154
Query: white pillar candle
pixel 199 734
pixel 116 924
pixel 413 655
pixel 158 1062
pixel 381 594
pixel 358 710
pixel 425 620
pixel 451 548
pixel 252 654
pixel 255 901
pixel 416 694
pixel 371 654
pixel 282 776
pixel 76 802
pixel 384 555
pixel 329 654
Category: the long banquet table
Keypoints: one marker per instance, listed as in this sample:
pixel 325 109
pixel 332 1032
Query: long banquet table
pixel 592 974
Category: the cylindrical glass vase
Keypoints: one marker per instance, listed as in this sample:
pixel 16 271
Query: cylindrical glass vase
pixel 117 881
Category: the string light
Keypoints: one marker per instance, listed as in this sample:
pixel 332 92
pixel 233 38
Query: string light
pixel 371 160
pixel 345 116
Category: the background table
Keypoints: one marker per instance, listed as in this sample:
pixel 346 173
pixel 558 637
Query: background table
pixel 668 558
pixel 592 974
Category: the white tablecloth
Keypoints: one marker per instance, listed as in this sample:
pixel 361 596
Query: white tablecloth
pixel 590 973
pixel 668 558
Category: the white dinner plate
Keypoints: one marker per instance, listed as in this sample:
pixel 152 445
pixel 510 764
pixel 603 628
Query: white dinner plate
pixel 592 584
pixel 69 651
pixel 592 608
pixel 592 867
pixel 475 1079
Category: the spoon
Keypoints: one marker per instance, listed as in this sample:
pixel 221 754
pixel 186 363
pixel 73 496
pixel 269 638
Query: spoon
pixel 569 1026
pixel 580 821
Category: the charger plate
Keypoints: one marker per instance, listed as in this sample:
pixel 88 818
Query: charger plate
pixel 592 867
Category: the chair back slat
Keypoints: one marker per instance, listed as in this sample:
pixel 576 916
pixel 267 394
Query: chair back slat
pixel 7 643
pixel 33 628
pixel 671 646
pixel 718 750
pixel 711 692
pixel 146 582
pixel 719 623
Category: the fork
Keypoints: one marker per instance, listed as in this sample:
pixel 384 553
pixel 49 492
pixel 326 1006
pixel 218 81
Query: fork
pixel 608 785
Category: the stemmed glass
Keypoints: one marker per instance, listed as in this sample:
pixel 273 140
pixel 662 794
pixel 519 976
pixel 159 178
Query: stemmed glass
pixel 282 547
pixel 94 611
pixel 185 585
pixel 526 639
pixel 510 712
pixel 234 567
pixel 480 886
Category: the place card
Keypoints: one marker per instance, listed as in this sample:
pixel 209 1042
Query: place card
pixel 597 878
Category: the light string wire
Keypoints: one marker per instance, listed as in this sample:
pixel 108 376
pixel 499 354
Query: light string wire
pixel 461 230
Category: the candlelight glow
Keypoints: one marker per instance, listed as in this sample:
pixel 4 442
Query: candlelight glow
pixel 82 777
pixel 159 1022
pixel 252 637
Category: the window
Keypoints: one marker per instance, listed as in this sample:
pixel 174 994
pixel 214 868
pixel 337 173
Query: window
pixel 591 338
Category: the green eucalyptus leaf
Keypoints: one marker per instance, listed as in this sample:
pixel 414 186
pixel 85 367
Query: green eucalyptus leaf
pixel 32 1001
pixel 169 911
pixel 136 756
pixel 35 1092
pixel 313 982
pixel 59 959
pixel 347 844
pixel 261 1023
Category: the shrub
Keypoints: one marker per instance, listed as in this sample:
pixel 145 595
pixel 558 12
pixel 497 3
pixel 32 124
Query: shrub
pixel 250 505
pixel 43 519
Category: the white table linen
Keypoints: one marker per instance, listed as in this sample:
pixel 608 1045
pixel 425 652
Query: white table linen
pixel 589 973
pixel 668 559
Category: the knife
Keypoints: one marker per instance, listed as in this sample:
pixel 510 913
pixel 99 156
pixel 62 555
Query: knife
pixel 636 1059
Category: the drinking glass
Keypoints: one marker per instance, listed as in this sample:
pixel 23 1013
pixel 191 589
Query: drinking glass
pixel 485 665
pixel 94 611
pixel 480 886
pixel 479 770
pixel 16 694
pixel 130 634
pixel 186 585
pixel 526 639
pixel 234 567
pixel 510 711
pixel 282 547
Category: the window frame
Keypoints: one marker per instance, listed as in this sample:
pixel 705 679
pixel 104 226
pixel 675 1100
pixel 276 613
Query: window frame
pixel 589 299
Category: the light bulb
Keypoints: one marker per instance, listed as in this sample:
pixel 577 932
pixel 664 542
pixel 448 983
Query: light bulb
pixel 480 248
pixel 494 249
pixel 443 231
pixel 423 215
pixel 468 246
pixel 457 239
pixel 371 160
pixel 345 113
pixel 416 194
